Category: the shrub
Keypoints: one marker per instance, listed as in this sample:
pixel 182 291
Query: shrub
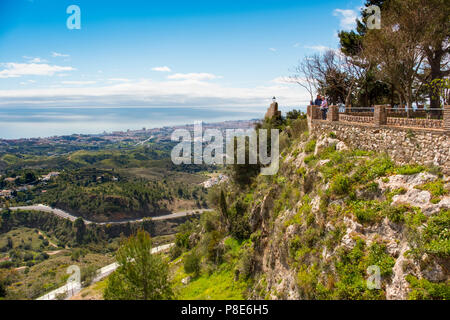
pixel 192 263
pixel 409 169
pixel 426 290
pixel 437 234
pixel 245 265
pixel 340 185
pixel 309 159
pixel 175 252
pixel 310 146
pixel 367 211
pixel 436 188
pixel 6 264
pixel 396 214
pixel 377 167
pixel 28 256
pixel 379 257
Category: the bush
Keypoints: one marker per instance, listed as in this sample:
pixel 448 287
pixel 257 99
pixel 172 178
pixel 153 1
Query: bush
pixel 298 127
pixel 309 159
pixel 192 263
pixel 437 235
pixel 6 264
pixel 396 214
pixel 175 252
pixel 426 290
pixel 409 169
pixel 340 185
pixel 214 249
pixel 28 256
pixel 310 146
pixel 367 211
pixel 379 257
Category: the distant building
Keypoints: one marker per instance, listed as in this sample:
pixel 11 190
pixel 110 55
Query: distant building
pixel 214 181
pixel 6 193
pixel 49 176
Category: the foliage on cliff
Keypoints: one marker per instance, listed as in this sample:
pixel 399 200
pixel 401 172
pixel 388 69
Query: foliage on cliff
pixel 316 229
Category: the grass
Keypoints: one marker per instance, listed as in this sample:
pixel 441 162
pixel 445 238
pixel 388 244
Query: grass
pixel 409 169
pixel 310 146
pixel 436 188
pixel 92 292
pixel 219 285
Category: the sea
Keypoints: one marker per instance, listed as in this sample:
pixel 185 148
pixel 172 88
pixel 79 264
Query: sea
pixel 17 123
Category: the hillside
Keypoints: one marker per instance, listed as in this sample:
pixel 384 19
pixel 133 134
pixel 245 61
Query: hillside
pixel 313 230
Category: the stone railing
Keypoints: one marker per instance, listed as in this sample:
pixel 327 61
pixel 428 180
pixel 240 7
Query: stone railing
pixel 352 118
pixel 382 117
pixel 411 122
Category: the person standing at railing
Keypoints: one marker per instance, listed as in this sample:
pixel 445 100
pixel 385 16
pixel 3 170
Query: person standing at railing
pixel 324 108
pixel 318 101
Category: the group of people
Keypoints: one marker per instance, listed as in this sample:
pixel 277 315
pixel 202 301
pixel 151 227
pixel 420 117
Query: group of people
pixel 322 102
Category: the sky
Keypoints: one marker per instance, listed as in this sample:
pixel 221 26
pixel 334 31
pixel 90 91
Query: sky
pixel 168 53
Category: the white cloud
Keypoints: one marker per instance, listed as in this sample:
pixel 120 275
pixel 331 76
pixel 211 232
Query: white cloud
pixel 347 16
pixel 56 54
pixel 15 70
pixel 193 76
pixel 147 92
pixel 78 82
pixel 119 80
pixel 319 48
pixel 34 60
pixel 162 69
pixel 273 49
pixel 282 80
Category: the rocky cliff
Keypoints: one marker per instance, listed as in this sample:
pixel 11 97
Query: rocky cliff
pixel 334 218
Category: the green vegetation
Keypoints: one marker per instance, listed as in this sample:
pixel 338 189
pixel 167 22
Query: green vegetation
pixel 425 290
pixel 436 188
pixel 141 275
pixel 192 263
pixel 310 146
pixel 409 169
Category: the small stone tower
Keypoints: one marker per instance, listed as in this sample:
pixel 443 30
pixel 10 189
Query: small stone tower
pixel 273 110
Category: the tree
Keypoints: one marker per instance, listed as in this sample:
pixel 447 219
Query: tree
pixel 80 230
pixel 141 275
pixel 243 174
pixel 337 75
pixel 192 263
pixel 304 76
pixel 396 47
pixel 435 41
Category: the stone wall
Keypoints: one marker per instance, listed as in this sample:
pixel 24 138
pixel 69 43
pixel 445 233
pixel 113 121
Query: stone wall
pixel 423 123
pixel 361 119
pixel 404 145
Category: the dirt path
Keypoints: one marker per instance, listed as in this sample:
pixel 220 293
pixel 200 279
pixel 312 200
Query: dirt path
pixel 49 241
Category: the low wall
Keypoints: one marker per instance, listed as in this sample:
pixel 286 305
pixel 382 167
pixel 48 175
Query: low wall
pixel 422 123
pixel 404 145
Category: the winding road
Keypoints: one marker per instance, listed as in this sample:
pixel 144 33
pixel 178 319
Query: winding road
pixel 72 288
pixel 63 214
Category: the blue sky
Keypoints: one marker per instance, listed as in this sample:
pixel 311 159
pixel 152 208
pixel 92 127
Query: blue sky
pixel 161 53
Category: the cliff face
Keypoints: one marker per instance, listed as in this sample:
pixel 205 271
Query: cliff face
pixel 334 218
